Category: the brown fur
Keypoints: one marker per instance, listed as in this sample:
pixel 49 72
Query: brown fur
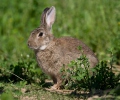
pixel 58 51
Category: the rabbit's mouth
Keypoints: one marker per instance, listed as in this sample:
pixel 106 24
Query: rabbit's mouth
pixel 34 48
pixel 32 45
pixel 43 47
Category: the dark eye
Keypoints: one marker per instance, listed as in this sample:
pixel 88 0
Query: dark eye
pixel 41 34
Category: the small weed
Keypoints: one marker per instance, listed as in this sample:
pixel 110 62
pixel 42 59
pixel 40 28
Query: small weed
pixel 80 76
pixel 24 70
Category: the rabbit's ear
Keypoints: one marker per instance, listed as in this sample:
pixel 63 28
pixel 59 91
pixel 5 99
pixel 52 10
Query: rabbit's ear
pixel 50 16
pixel 44 15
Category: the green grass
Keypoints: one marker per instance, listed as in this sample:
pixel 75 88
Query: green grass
pixel 21 91
pixel 95 22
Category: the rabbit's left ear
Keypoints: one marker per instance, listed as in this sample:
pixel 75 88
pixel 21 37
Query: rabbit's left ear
pixel 50 16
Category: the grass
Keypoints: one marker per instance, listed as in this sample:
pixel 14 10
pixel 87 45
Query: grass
pixel 96 23
pixel 21 91
pixel 90 21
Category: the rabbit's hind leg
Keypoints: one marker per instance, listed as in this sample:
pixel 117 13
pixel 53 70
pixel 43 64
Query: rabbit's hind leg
pixel 57 84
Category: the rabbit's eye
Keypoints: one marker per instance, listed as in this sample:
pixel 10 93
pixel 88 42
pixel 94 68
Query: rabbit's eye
pixel 41 34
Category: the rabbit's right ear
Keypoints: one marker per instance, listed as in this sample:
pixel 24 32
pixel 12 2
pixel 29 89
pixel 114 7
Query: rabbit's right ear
pixel 50 17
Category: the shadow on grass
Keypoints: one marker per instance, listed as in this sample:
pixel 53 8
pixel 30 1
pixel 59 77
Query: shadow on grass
pixel 111 94
pixel 1 90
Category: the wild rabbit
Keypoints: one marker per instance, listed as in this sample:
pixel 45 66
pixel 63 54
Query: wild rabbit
pixel 52 53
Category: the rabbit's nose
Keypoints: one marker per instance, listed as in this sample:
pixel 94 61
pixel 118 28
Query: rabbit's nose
pixel 28 43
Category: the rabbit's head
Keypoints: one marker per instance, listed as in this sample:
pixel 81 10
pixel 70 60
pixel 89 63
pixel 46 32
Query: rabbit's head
pixel 41 37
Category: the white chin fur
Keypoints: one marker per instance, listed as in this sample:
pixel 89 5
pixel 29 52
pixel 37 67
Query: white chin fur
pixel 43 47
